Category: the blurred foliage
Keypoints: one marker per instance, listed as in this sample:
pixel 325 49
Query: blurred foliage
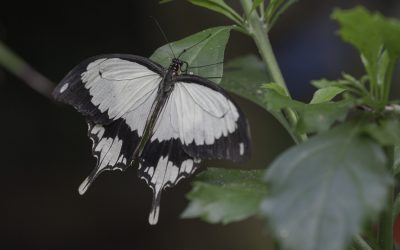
pixel 324 189
pixel 224 195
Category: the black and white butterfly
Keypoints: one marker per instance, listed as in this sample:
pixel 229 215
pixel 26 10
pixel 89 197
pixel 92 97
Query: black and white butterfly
pixel 164 120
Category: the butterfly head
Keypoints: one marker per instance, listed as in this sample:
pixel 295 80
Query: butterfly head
pixel 178 66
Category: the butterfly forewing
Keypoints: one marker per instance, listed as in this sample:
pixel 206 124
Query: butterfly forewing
pixel 106 87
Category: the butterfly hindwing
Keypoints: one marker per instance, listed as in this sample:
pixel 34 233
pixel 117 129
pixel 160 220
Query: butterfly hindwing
pixel 112 146
pixel 163 164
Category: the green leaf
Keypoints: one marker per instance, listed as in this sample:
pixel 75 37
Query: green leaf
pixel 326 94
pixel 386 131
pixel 390 31
pixel 224 196
pixel 312 117
pixel 322 191
pixel 165 1
pixel 324 83
pixel 209 50
pixel 377 40
pixel 221 7
pixel 245 76
pixel 357 25
pixel 348 85
pixel 275 9
pixel 277 88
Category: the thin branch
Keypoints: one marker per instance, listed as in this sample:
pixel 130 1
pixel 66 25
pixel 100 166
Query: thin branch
pixel 17 66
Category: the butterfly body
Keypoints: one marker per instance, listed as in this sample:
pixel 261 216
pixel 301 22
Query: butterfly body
pixel 164 90
pixel 164 120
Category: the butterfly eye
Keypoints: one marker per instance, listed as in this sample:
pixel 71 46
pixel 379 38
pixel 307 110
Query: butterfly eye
pixel 184 68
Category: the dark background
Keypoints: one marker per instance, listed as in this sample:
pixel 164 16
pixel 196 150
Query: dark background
pixel 45 153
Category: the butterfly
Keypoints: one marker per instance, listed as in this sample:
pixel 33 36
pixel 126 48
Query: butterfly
pixel 165 120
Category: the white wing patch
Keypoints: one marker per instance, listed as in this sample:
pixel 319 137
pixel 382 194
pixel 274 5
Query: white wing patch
pixel 241 148
pixel 64 87
pixel 165 174
pixel 196 113
pixel 107 151
pixel 123 89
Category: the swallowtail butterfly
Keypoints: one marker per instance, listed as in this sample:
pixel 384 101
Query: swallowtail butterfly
pixel 164 120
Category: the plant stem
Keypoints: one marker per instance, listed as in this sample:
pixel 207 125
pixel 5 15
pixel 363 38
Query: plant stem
pixel 14 64
pixel 259 32
pixel 396 207
pixel 385 230
pixel 388 80
pixel 386 224
pixel 361 244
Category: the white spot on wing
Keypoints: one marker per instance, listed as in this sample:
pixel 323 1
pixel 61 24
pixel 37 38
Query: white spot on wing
pixel 64 87
pixel 241 148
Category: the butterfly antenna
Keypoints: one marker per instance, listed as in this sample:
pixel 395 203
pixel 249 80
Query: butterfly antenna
pixel 163 33
pixel 202 40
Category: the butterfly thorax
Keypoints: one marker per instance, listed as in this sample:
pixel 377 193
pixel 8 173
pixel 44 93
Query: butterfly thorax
pixel 174 70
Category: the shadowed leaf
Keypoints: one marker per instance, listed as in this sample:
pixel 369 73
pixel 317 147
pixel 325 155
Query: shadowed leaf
pixel 321 191
pixel 245 76
pixel 224 196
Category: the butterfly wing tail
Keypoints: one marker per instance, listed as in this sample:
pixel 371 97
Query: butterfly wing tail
pixel 88 181
pixel 155 208
pixel 84 186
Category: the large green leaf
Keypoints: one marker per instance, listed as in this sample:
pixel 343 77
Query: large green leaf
pixel 321 191
pixel 312 117
pixel 361 30
pixel 224 196
pixel 376 38
pixel 207 52
pixel 244 76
